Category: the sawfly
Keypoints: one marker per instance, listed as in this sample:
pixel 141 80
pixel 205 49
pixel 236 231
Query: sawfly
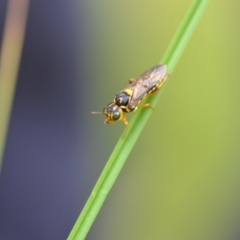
pixel 130 98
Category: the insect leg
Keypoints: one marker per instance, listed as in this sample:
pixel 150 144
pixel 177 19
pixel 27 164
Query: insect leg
pixel 125 121
pixel 126 126
pixel 145 105
pixel 131 80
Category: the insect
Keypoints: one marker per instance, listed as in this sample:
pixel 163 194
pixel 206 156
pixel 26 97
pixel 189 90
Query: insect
pixel 130 98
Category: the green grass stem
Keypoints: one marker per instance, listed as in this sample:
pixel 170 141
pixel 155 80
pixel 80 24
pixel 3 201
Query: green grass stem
pixel 138 121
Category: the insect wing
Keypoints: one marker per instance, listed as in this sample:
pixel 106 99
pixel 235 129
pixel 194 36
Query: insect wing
pixel 148 80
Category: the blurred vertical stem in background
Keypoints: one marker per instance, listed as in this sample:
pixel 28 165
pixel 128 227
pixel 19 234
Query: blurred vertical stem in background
pixel 12 42
pixel 139 119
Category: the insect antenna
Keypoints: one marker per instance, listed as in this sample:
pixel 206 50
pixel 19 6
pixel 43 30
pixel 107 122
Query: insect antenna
pixel 96 112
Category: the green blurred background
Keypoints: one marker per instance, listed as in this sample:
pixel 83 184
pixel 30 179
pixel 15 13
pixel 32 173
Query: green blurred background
pixel 182 179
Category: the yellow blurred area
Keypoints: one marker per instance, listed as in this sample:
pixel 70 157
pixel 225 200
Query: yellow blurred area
pixel 182 179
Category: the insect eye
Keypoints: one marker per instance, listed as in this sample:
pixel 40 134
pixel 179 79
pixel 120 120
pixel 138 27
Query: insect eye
pixel 116 115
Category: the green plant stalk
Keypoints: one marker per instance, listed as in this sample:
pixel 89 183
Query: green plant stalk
pixel 13 38
pixel 138 121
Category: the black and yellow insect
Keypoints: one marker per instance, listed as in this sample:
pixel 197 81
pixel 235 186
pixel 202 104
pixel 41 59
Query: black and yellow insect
pixel 130 98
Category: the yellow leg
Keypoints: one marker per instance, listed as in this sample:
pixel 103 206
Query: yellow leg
pixel 131 80
pixel 146 105
pixel 125 121
pixel 126 126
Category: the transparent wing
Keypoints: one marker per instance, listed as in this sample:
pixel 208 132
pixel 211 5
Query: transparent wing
pixel 148 80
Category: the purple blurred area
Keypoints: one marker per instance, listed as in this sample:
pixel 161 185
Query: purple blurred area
pixel 43 160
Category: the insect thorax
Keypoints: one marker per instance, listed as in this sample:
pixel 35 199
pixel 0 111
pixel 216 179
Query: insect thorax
pixel 122 99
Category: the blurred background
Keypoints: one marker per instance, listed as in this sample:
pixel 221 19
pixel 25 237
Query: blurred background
pixel 182 179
